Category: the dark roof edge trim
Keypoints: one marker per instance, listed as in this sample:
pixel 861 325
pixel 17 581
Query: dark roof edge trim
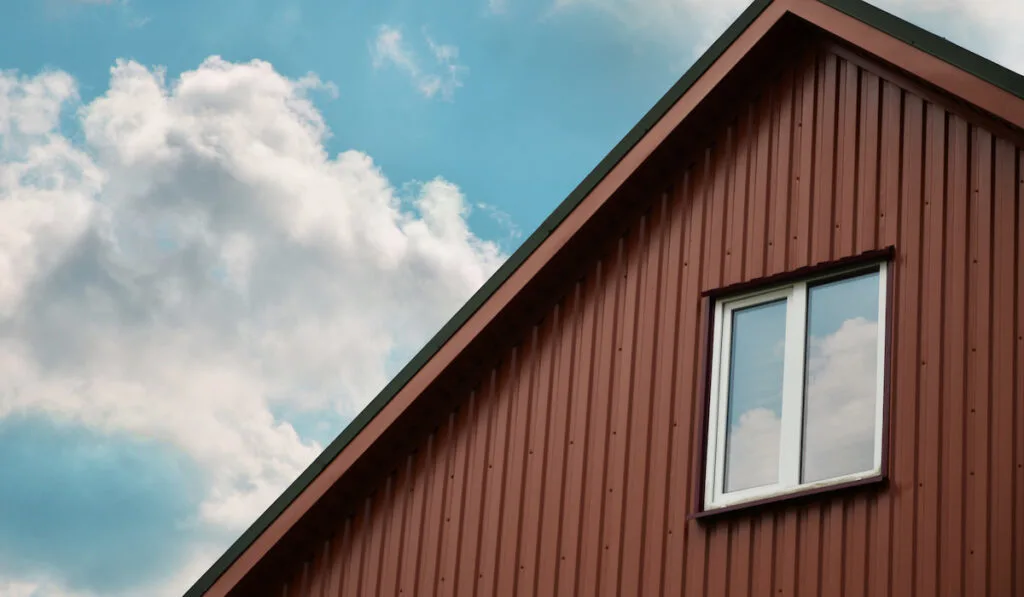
pixel 481 296
pixel 932 44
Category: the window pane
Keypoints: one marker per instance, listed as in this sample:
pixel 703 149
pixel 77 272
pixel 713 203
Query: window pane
pixel 841 378
pixel 755 396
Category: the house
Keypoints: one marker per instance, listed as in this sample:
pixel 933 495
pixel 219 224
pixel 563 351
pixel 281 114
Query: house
pixel 772 345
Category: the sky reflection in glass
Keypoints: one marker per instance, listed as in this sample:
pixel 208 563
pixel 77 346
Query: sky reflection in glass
pixel 755 396
pixel 841 378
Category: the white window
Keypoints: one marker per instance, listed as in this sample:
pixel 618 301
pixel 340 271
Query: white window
pixel 796 392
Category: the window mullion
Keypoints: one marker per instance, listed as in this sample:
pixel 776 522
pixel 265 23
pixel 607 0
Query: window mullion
pixel 793 387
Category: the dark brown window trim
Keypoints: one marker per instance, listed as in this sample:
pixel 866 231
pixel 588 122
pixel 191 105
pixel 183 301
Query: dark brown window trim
pixel 823 267
pixel 828 491
pixel 704 408
pixel 888 255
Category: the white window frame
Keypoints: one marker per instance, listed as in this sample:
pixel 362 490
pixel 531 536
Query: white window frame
pixel 791 433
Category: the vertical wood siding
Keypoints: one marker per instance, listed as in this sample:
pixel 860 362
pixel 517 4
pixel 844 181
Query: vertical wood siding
pixel 570 469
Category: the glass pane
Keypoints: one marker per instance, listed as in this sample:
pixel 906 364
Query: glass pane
pixel 841 378
pixel 755 396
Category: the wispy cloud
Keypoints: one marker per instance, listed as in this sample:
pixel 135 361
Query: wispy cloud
pixel 512 232
pixel 441 78
pixel 125 11
pixel 389 47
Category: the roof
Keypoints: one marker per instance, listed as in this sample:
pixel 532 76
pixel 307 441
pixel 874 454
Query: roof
pixel 973 78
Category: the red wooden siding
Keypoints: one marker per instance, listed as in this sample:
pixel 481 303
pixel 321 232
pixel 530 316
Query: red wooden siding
pixel 570 469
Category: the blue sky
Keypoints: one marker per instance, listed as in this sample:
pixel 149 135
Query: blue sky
pixel 224 224
pixel 534 113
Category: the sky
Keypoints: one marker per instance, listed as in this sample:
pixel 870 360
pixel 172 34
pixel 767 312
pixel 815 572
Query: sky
pixel 224 224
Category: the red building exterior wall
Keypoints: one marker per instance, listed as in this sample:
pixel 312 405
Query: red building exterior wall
pixel 572 468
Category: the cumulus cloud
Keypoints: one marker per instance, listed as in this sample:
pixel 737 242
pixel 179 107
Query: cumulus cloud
pixel 441 78
pixel 196 260
pixel 839 412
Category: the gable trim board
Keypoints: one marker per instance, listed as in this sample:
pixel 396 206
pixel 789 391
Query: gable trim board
pixel 979 82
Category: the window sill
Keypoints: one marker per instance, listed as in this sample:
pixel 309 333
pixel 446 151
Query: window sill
pixel 876 481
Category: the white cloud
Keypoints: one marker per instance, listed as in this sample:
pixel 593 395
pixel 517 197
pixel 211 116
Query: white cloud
pixel 125 10
pixel 173 585
pixel 443 53
pixel 390 47
pixel 34 588
pixel 17 589
pixel 198 259
pixel 504 221
pixel 440 79
pixel 840 412
pixel 990 27
pixel 753 456
pixel 39 220
pixel 689 24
